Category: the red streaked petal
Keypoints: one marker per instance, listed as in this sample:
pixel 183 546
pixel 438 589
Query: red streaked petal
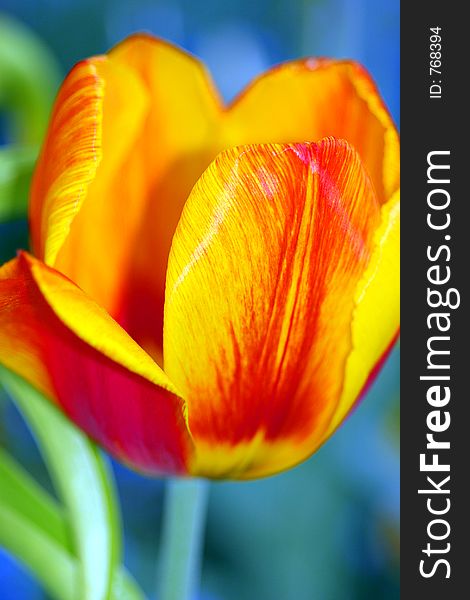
pixel 261 283
pixel 309 99
pixel 64 344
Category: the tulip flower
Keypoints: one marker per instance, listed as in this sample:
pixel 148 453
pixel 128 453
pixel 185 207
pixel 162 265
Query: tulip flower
pixel 211 287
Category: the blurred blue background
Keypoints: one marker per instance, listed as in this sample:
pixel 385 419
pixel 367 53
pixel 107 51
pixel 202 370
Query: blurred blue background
pixel 328 529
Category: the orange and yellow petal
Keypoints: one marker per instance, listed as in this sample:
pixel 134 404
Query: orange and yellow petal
pixel 130 134
pixel 91 119
pixel 309 99
pixel 68 347
pixel 179 139
pixel 376 318
pixel 260 294
pixel 81 223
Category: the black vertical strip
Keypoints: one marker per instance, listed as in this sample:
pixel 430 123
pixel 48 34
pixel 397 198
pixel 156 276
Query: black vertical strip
pixel 435 258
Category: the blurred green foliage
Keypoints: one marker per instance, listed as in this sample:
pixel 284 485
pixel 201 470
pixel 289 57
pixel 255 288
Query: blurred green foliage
pixel 29 77
pixel 16 167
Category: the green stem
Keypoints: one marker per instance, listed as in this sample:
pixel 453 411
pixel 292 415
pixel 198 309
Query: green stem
pixel 182 538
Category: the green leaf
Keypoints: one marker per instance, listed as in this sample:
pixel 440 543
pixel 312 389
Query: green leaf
pixel 21 493
pixel 84 484
pixel 29 77
pixel 16 168
pixel 56 569
pixel 125 587
pixel 33 528
pixel 44 556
